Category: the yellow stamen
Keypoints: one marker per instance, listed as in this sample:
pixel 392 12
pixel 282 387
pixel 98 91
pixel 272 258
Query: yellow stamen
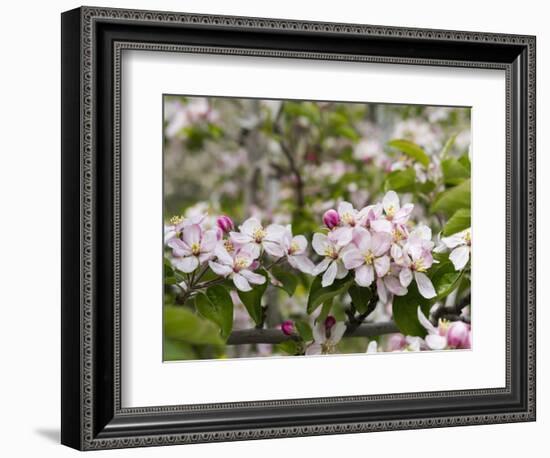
pixel 175 220
pixel 228 244
pixel 347 218
pixel 330 252
pixel 293 248
pixel 369 258
pixel 196 248
pixel 240 263
pixel 419 265
pixel 259 234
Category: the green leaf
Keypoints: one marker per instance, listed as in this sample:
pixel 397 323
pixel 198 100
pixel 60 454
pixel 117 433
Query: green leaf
pixel 288 346
pixel 465 161
pixel 174 350
pixel 453 171
pixel 401 180
pixel 304 329
pixel 218 314
pixel 318 294
pixel 222 306
pixel 360 297
pixel 453 199
pixel 460 220
pixel 412 150
pixel 252 300
pixel 405 312
pixel 445 279
pixel 288 281
pixel 183 325
pixel 448 145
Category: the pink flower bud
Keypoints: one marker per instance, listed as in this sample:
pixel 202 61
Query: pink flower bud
pixel 331 218
pixel 458 335
pixel 396 342
pixel 225 223
pixel 287 327
pixel 329 322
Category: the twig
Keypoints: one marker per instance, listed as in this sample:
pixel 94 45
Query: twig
pixel 275 336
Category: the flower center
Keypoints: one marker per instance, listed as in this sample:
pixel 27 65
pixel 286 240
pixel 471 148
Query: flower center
pixel 468 238
pixel 228 244
pixel 443 325
pixel 259 234
pixel 419 265
pixel 348 218
pixel 293 248
pixel 175 220
pixel 397 235
pixel 196 248
pixel 369 258
pixel 240 263
pixel 330 252
pixel 390 211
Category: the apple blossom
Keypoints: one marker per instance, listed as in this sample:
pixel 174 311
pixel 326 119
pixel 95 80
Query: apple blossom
pixel 252 232
pixel 294 248
pixel 330 247
pixel 194 248
pixel 415 259
pixel 446 335
pixel 326 336
pixel 238 265
pixel 460 244
pixel 368 257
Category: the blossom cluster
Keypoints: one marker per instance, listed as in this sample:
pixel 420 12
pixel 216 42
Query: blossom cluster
pixel 377 244
pixel 196 243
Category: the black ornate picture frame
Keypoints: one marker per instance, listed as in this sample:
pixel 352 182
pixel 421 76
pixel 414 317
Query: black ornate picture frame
pixel 92 42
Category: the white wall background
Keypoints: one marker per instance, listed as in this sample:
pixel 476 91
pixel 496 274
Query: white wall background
pixel 30 215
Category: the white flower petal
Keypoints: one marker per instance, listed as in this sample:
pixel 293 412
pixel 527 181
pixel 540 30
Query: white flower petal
pixel 329 275
pixel 273 248
pixel 381 225
pixel 302 263
pixel 353 259
pixel 373 347
pixel 319 243
pixel 425 285
pixel 250 226
pixel 337 332
pixel 192 234
pixel 436 342
pixel 428 326
pixel 341 271
pixel 314 349
pixel 322 266
pixel 405 277
pixel 187 264
pixel 240 238
pixel 382 265
pixel 241 283
pixel 319 333
pixel 460 256
pixel 364 275
pixel 391 202
pixel 220 269
pixel 252 277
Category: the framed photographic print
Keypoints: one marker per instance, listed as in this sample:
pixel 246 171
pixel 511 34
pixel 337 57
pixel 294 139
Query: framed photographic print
pixel 278 228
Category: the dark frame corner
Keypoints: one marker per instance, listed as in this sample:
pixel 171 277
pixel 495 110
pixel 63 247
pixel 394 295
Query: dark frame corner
pixel 92 40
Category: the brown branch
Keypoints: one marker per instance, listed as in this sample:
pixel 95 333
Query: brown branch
pixel 299 184
pixel 275 336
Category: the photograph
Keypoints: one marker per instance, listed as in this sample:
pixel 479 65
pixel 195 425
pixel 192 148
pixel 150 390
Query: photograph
pixel 304 228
